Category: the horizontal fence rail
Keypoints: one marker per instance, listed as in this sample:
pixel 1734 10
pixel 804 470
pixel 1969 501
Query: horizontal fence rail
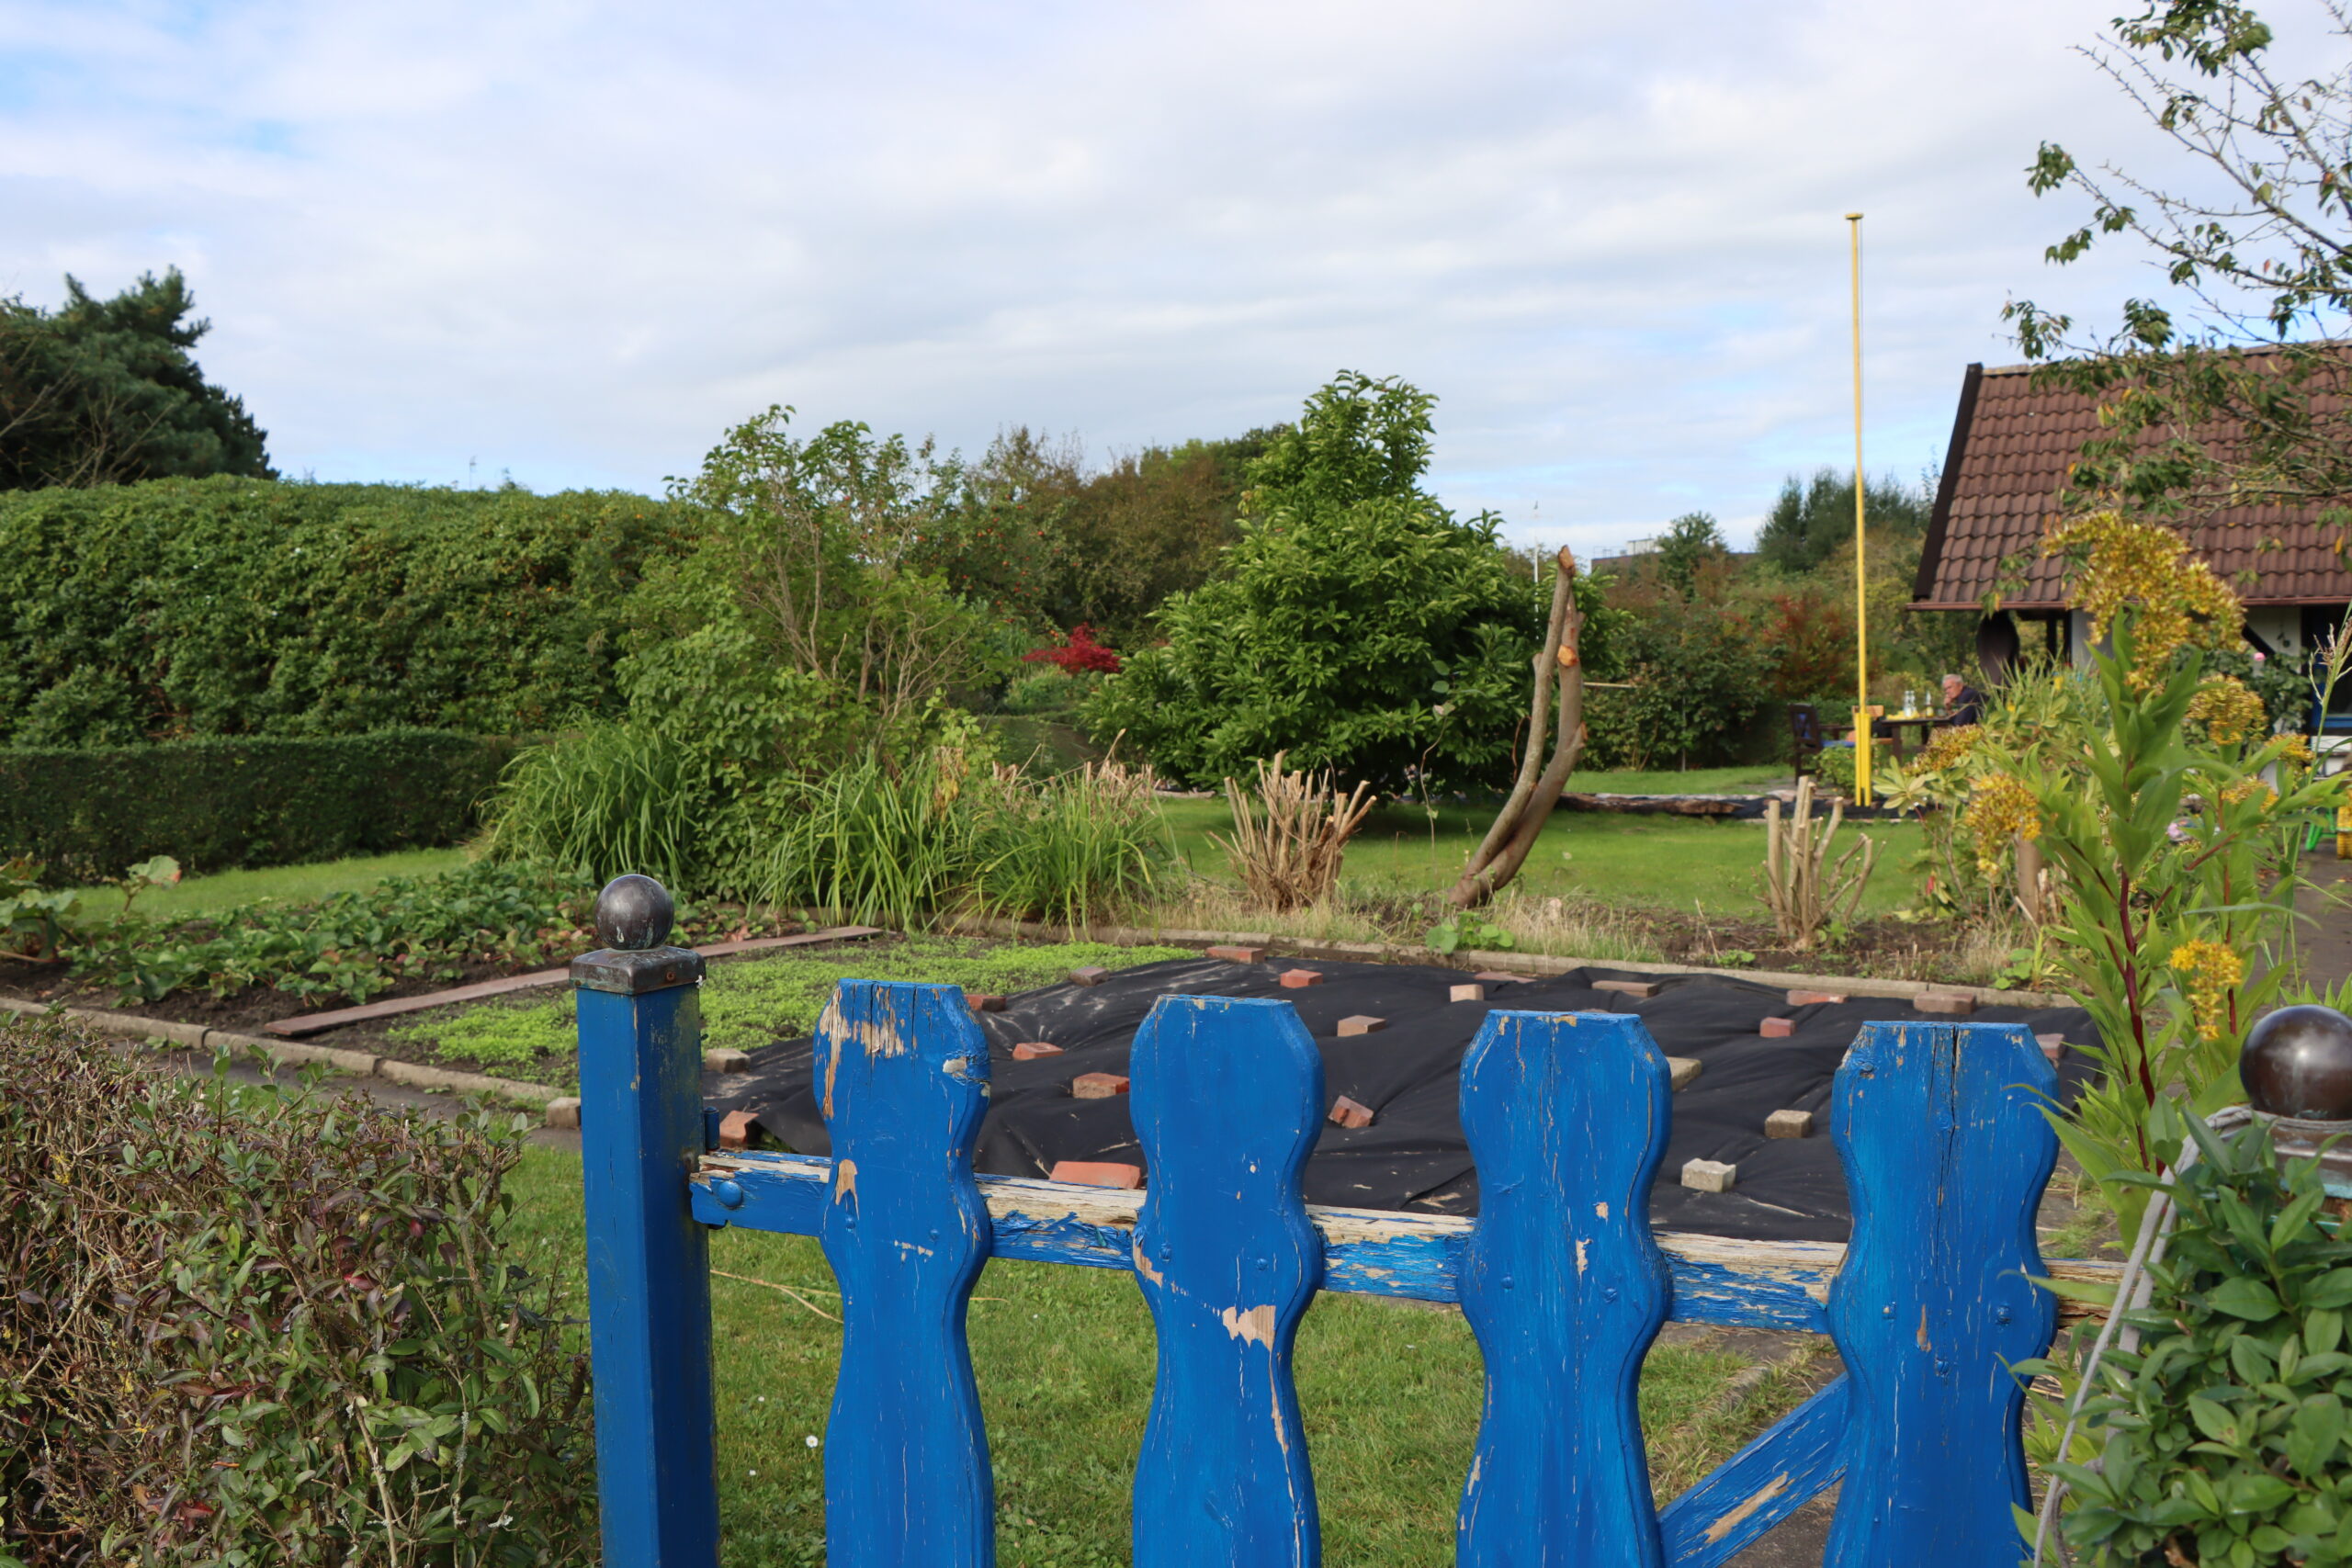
pixel 1559 1275
pixel 1369 1252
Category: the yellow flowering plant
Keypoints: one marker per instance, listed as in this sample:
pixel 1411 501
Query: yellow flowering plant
pixel 1964 859
pixel 2173 818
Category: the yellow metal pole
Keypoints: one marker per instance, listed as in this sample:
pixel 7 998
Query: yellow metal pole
pixel 1861 572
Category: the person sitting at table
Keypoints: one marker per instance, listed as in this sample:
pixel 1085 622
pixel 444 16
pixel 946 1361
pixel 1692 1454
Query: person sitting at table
pixel 1964 705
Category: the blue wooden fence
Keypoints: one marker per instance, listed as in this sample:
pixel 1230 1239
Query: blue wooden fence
pixel 1559 1275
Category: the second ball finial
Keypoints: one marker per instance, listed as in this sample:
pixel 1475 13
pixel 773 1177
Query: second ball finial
pixel 2297 1063
pixel 634 913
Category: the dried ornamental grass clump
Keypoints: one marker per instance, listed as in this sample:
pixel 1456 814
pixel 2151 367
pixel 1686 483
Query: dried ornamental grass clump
pixel 1290 858
pixel 254 1327
pixel 1802 888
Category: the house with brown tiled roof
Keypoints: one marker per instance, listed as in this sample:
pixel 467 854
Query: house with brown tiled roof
pixel 2012 446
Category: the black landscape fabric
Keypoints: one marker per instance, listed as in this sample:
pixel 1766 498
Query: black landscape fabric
pixel 1413 1157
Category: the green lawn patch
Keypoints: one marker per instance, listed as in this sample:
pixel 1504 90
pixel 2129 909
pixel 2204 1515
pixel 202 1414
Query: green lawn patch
pixel 1391 1394
pixel 1637 861
pixel 751 1001
pixel 228 890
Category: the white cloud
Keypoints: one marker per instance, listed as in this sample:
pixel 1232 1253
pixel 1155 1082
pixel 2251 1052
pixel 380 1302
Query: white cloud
pixel 577 240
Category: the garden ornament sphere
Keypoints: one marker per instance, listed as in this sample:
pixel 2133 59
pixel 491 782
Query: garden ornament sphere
pixel 2297 1063
pixel 634 913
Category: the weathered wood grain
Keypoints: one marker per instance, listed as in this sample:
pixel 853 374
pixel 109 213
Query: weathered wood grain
pixel 1227 1103
pixel 1375 1252
pixel 902 1073
pixel 1564 1287
pixel 1946 1153
pixel 1757 1487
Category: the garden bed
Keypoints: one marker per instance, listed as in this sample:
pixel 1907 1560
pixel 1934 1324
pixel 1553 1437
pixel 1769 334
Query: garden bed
pixel 1392 1038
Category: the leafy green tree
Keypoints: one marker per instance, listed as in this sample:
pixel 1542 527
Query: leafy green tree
pixel 2232 393
pixel 1689 543
pixel 1152 524
pixel 106 391
pixel 1812 519
pixel 813 567
pixel 1356 622
pixel 1054 545
pixel 1693 660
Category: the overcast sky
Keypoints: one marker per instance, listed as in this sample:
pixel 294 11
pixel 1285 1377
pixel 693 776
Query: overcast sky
pixel 574 242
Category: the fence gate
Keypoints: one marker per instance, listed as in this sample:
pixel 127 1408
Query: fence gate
pixel 1560 1276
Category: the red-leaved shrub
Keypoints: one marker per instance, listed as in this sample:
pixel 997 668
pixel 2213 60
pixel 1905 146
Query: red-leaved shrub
pixel 1079 655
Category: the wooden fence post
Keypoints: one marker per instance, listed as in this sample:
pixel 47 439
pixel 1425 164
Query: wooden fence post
pixel 1227 1101
pixel 1946 1151
pixel 1563 1286
pixel 648 1264
pixel 902 1078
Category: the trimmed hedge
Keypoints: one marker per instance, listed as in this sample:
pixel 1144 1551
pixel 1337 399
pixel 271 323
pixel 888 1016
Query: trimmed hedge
pixel 237 607
pixel 217 803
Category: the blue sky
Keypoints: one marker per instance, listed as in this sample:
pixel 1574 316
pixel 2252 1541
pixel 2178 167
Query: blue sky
pixel 574 242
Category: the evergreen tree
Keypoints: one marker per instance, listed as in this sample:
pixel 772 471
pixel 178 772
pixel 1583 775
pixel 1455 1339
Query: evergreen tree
pixel 1813 518
pixel 106 391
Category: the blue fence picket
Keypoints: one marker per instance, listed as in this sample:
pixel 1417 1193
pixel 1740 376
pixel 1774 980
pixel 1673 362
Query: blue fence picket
pixel 1565 1114
pixel 1946 1153
pixel 1939 1128
pixel 1228 1100
pixel 649 1262
pixel 902 1076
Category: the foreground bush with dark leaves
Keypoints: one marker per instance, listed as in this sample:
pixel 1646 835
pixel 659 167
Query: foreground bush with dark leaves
pixel 259 1328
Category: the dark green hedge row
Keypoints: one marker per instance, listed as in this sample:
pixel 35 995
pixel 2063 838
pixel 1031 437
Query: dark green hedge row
pixel 216 804
pixel 237 607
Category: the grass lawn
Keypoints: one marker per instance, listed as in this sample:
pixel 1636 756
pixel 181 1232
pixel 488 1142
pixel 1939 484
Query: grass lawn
pixel 226 889
pixel 1391 1395
pixel 1659 861
pixel 1686 781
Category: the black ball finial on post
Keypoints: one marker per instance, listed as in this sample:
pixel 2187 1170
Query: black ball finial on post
pixel 2298 1065
pixel 634 914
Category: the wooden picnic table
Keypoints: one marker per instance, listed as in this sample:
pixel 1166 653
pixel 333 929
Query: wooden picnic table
pixel 1891 729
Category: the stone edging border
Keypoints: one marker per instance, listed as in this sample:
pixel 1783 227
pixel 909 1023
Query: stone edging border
pixel 1535 963
pixel 289 1053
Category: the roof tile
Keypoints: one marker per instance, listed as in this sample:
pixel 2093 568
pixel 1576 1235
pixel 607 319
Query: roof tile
pixel 2010 465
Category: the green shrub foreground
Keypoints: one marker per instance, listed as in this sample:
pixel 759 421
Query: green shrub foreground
pixel 219 804
pixel 262 1328
pixel 2221 1437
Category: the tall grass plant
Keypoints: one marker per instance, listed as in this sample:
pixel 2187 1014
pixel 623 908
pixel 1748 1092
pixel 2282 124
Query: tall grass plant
pixel 921 844
pixel 611 798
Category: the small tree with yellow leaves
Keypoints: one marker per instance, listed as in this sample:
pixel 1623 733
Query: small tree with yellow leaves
pixel 2171 816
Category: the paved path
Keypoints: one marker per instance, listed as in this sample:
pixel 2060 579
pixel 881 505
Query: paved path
pixel 2326 934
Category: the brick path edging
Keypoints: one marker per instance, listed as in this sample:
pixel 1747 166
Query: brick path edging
pixel 1535 963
